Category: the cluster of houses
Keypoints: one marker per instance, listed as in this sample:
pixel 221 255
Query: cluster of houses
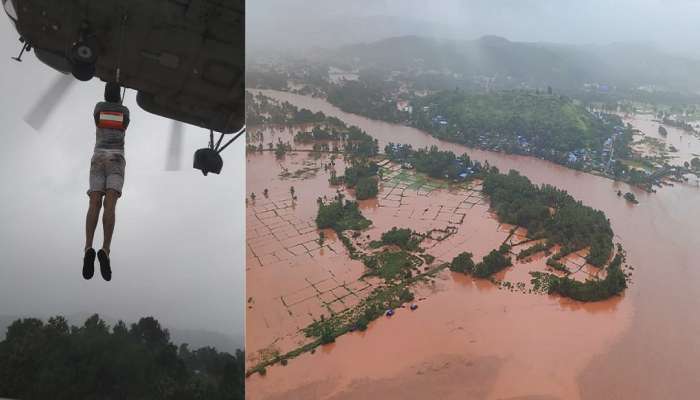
pixel 463 171
pixel 597 87
pixel 440 120
pixel 578 155
pixel 404 106
pixel 587 155
pixel 608 147
pixel 523 143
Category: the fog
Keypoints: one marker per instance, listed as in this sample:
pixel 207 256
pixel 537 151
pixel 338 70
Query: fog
pixel 296 24
pixel 177 252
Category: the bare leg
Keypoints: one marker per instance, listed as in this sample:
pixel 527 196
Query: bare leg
pixel 109 217
pixel 93 216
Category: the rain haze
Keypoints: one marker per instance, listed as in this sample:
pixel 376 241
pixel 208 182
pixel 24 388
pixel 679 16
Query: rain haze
pixel 296 25
pixel 177 253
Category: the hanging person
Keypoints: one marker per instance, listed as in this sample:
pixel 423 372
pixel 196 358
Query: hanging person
pixel 107 169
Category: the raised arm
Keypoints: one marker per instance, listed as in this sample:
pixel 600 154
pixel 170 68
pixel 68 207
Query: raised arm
pixel 127 119
pixel 96 113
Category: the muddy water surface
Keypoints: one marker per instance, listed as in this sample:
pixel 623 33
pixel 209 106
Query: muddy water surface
pixel 470 340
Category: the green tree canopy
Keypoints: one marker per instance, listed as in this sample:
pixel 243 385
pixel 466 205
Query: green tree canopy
pixel 54 361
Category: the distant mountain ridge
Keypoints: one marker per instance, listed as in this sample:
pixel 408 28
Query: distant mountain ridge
pixel 194 337
pixel 620 64
pixel 299 36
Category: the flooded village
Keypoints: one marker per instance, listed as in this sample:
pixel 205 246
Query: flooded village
pixel 453 326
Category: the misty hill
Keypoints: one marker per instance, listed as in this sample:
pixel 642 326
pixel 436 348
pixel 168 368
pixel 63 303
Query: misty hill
pixel 195 338
pixel 537 64
pixel 295 36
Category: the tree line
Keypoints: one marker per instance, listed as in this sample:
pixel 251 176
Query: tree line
pixel 550 213
pixel 614 283
pixel 432 161
pixel 53 360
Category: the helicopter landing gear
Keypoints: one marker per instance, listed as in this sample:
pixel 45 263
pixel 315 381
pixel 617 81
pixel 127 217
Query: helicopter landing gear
pixel 209 158
pixel 84 54
pixel 84 72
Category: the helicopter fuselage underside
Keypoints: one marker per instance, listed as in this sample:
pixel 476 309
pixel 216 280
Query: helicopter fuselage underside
pixel 184 57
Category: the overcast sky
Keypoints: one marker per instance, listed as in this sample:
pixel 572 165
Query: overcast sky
pixel 177 252
pixel 669 23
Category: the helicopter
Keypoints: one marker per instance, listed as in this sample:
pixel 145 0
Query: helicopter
pixel 184 58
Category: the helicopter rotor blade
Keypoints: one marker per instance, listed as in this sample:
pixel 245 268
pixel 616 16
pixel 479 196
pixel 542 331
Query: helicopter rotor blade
pixel 175 147
pixel 42 110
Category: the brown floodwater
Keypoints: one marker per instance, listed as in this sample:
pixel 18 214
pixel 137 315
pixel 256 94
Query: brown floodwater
pixel 288 273
pixel 470 340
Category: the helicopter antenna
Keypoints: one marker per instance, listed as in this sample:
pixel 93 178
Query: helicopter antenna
pixel 122 32
pixel 25 47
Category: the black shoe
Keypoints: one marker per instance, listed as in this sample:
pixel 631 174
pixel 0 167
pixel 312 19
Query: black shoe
pixel 89 263
pixel 105 268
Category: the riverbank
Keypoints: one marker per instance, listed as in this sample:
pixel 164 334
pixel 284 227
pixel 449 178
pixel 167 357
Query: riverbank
pixel 655 171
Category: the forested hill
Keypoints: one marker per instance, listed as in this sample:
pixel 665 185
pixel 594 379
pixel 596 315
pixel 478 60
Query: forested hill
pixel 562 66
pixel 539 120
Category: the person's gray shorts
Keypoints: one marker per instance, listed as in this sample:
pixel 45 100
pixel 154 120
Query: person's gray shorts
pixel 107 172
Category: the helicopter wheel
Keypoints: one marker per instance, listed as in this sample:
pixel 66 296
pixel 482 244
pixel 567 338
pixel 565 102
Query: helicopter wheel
pixel 82 52
pixel 208 160
pixel 84 72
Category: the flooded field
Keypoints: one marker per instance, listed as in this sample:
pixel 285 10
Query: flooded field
pixel 686 144
pixel 467 339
